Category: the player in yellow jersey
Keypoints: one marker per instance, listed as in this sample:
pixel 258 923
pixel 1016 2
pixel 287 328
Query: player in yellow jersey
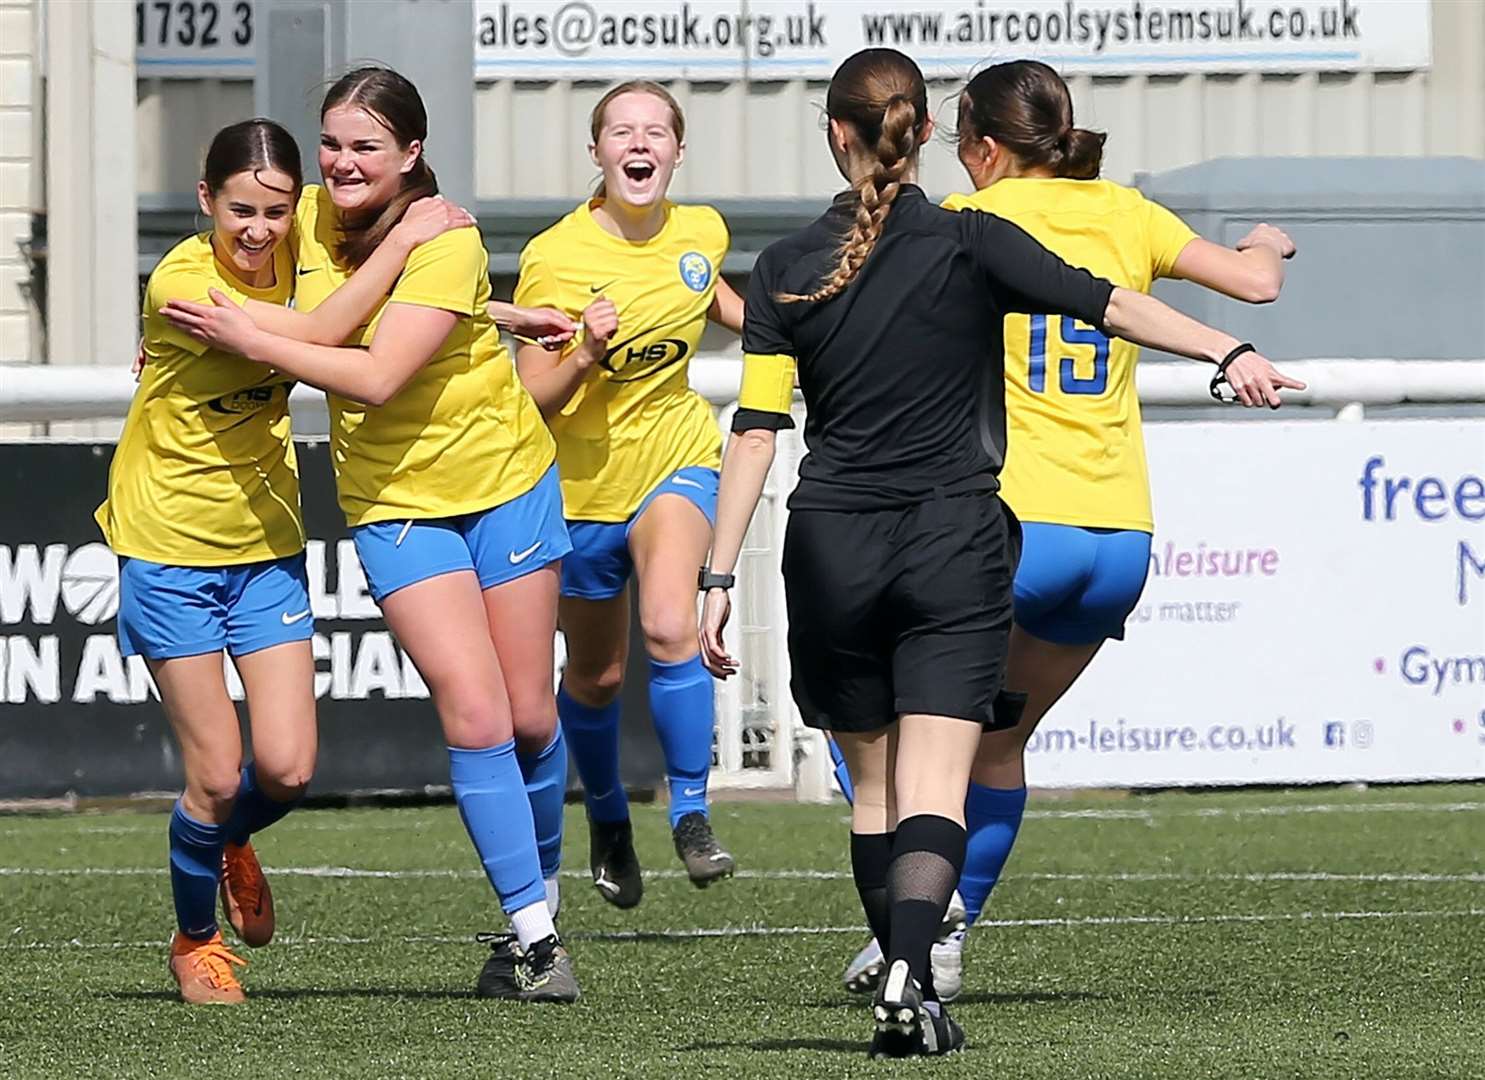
pixel 446 474
pixel 1075 465
pixel 203 512
pixel 638 451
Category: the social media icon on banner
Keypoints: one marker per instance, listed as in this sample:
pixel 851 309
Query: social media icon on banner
pixel 1362 734
pixel 1335 734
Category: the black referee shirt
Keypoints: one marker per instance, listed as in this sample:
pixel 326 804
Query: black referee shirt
pixel 903 374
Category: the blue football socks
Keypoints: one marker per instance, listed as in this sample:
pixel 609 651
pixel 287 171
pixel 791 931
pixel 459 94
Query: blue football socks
pixel 545 775
pixel 195 869
pixel 992 817
pixel 497 815
pixel 593 737
pixel 254 811
pixel 681 705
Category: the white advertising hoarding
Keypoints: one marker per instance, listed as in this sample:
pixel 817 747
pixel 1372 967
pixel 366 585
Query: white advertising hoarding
pixel 1315 611
pixel 784 39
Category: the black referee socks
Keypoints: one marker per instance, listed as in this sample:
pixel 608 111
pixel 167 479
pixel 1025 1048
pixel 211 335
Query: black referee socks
pixel 871 855
pixel 927 858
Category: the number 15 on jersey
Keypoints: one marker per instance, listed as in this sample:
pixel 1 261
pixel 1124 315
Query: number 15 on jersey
pixel 1067 332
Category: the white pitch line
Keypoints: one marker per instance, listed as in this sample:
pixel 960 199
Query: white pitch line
pixel 1100 814
pixel 1099 921
pixel 352 872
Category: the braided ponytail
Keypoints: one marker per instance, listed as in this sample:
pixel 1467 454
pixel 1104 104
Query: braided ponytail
pixel 880 93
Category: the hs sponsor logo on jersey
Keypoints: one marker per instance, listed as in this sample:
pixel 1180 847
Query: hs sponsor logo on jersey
pixel 245 401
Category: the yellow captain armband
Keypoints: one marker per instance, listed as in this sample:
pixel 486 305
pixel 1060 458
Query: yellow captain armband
pixel 767 393
pixel 767 382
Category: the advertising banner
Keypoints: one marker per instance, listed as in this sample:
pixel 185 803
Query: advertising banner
pixel 786 39
pixel 1314 611
pixel 77 717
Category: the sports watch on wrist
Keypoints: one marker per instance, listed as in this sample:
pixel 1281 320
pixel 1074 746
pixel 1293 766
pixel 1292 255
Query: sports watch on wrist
pixel 706 580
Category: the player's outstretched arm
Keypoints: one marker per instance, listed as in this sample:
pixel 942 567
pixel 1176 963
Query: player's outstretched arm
pixel 1146 321
pixel 1253 271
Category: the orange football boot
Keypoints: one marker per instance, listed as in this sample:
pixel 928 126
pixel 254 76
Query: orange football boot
pixel 203 970
pixel 246 899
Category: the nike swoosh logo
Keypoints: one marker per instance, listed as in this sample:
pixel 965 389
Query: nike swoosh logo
pixel 309 270
pixel 290 620
pixel 686 482
pixel 522 556
pixel 605 884
pixel 596 289
pixel 691 793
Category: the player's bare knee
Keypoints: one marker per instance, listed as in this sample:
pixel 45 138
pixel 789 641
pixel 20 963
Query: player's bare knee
pixel 534 722
pixel 670 634
pixel 475 725
pixel 214 790
pixel 288 781
pixel 594 686
pixel 1000 751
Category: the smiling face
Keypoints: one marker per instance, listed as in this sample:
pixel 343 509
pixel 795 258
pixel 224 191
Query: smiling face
pixel 251 214
pixel 637 148
pixel 360 160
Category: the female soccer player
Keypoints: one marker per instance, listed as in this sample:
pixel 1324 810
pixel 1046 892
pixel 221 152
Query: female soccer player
pixel 638 451
pixel 1076 475
pixel 445 472
pixel 203 511
pixel 898 637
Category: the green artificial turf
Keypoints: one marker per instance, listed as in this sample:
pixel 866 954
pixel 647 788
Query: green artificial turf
pixel 1314 934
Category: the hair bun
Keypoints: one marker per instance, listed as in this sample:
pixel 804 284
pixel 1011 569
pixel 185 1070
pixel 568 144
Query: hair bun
pixel 1082 153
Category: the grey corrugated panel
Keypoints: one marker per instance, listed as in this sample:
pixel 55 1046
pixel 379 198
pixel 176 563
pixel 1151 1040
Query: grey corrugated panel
pixel 1391 252
pixel 764 139
pixel 507 224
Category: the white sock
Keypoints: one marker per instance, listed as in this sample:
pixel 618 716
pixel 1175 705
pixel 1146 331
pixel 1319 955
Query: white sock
pixel 554 896
pixel 532 923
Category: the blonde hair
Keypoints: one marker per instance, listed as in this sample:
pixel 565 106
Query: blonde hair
pixel 635 86
pixel 880 95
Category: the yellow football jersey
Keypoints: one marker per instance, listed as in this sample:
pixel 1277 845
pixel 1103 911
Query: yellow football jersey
pixel 635 419
pixel 1075 453
pixel 204 473
pixel 463 435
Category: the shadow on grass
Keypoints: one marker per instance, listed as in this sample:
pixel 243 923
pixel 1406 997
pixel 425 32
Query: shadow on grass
pixel 306 994
pixel 1031 997
pixel 856 1048
pixel 1024 997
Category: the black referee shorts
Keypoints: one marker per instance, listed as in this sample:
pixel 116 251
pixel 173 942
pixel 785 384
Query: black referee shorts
pixel 900 611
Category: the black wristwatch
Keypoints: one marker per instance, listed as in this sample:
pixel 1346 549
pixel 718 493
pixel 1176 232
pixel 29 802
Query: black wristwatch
pixel 706 580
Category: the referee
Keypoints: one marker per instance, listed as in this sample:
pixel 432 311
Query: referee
pixel 899 557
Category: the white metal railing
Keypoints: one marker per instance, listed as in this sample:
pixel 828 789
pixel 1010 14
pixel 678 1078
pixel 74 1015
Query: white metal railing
pixel 46 392
pixel 760 740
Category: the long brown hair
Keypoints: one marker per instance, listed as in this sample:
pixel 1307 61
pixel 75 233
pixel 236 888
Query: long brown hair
pixel 1025 106
pixel 393 102
pixel 635 86
pixel 880 95
pixel 252 146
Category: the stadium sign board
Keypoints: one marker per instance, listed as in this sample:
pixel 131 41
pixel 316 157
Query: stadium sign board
pixel 787 39
pixel 1314 611
pixel 76 716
